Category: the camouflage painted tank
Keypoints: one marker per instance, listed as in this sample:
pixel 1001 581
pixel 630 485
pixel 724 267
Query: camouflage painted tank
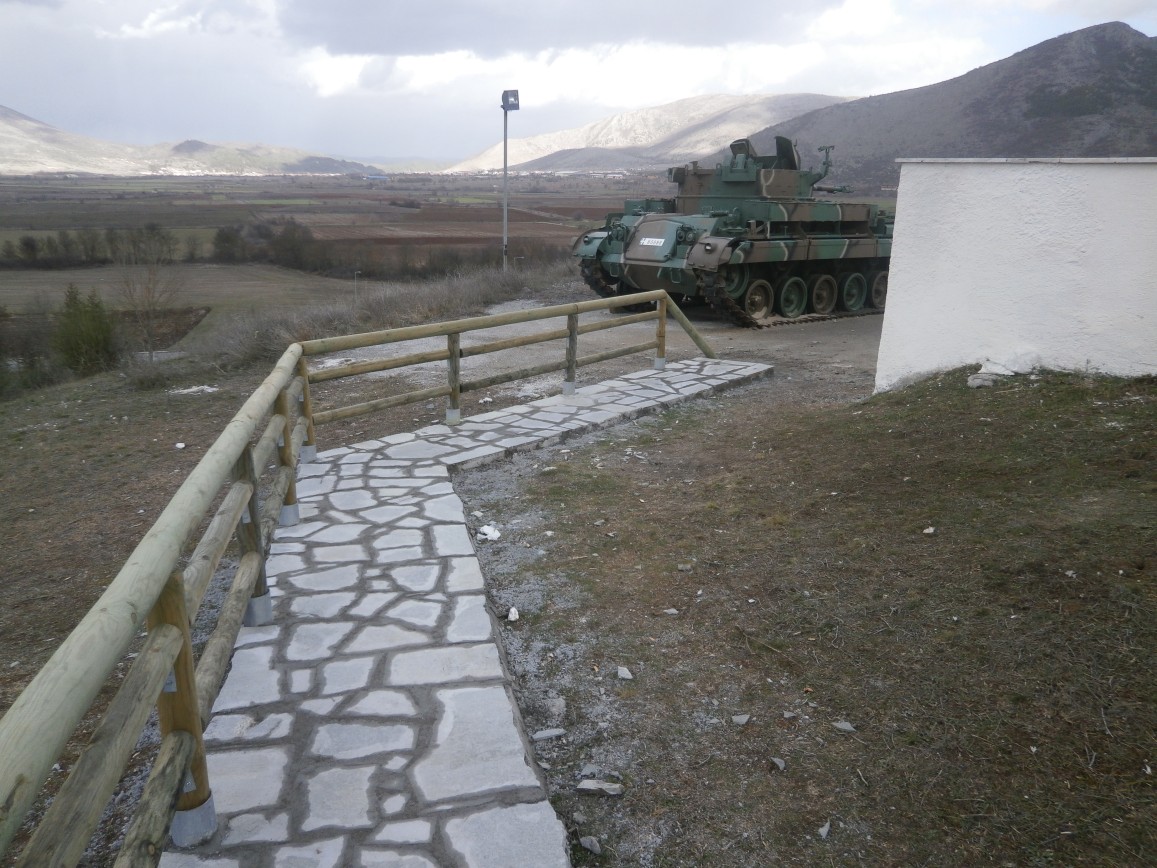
pixel 748 237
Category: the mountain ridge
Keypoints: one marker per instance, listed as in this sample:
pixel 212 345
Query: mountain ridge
pixel 29 147
pixel 1089 93
pixel 683 129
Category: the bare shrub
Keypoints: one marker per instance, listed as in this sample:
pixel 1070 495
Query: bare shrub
pixel 26 353
pixel 148 286
pixel 264 336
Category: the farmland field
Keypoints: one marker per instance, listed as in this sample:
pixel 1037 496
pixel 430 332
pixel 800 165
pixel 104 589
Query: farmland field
pixel 442 204
pixel 379 229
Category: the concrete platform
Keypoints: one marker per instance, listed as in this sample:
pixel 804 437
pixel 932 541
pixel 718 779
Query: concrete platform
pixel 373 722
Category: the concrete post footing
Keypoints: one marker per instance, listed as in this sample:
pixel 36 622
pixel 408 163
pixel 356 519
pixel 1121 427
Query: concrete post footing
pixel 194 826
pixel 290 515
pixel 259 611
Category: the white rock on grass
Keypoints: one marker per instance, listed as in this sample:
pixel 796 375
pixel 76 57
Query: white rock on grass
pixel 599 788
pixel 591 843
pixel 625 674
pixel 544 734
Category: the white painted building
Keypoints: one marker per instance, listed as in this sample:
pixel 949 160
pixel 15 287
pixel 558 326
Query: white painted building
pixel 1048 263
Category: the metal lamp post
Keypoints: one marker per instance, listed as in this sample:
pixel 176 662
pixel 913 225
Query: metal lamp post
pixel 509 104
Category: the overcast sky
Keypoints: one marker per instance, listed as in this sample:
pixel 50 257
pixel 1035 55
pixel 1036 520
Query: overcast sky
pixel 401 78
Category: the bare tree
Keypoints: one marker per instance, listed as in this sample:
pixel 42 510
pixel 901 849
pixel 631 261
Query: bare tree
pixel 148 285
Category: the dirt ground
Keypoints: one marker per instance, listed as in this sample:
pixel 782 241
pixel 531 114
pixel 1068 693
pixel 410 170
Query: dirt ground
pixel 815 679
pixel 798 626
pixel 88 465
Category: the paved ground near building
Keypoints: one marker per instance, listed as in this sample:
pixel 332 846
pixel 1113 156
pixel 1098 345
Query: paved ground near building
pixel 373 723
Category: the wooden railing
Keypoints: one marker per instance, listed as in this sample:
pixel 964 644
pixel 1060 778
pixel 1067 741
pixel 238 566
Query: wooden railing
pixel 454 352
pixel 152 592
pixel 243 487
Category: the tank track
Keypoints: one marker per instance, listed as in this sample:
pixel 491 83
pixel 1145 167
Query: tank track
pixel 722 303
pixel 596 279
pixel 725 305
pixel 820 317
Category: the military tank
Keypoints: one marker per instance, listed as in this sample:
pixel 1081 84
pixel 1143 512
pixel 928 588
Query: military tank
pixel 750 238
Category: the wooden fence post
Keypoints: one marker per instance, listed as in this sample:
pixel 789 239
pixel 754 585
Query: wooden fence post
pixel 661 336
pixel 454 364
pixel 260 608
pixel 309 447
pixel 177 709
pixel 290 513
pixel 568 382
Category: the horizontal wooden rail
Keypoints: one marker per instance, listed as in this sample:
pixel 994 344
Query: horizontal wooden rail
pixel 81 800
pixel 376 365
pixel 615 354
pixel 145 838
pixel 219 648
pixel 511 376
pixel 389 336
pixel 454 352
pixel 380 404
pixel 242 487
pixel 207 555
pixel 152 585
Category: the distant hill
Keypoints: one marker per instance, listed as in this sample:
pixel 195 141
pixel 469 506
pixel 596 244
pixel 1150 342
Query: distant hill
pixel 650 137
pixel 1091 93
pixel 29 146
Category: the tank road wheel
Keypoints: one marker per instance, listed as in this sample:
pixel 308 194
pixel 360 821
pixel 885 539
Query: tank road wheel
pixel 792 297
pixel 822 292
pixel 878 291
pixel 735 278
pixel 757 302
pixel 853 291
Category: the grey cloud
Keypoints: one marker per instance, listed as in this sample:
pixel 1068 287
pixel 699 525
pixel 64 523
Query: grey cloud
pixel 492 28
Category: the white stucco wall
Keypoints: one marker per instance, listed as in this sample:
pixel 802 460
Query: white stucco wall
pixel 1025 263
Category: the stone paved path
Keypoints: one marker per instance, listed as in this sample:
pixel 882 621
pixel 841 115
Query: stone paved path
pixel 373 723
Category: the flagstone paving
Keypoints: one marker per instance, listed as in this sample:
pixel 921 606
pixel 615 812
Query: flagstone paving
pixel 373 723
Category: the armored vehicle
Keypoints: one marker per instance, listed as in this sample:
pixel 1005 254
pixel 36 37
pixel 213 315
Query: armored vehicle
pixel 748 237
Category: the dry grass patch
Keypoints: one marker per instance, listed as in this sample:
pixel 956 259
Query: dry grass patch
pixel 966 577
